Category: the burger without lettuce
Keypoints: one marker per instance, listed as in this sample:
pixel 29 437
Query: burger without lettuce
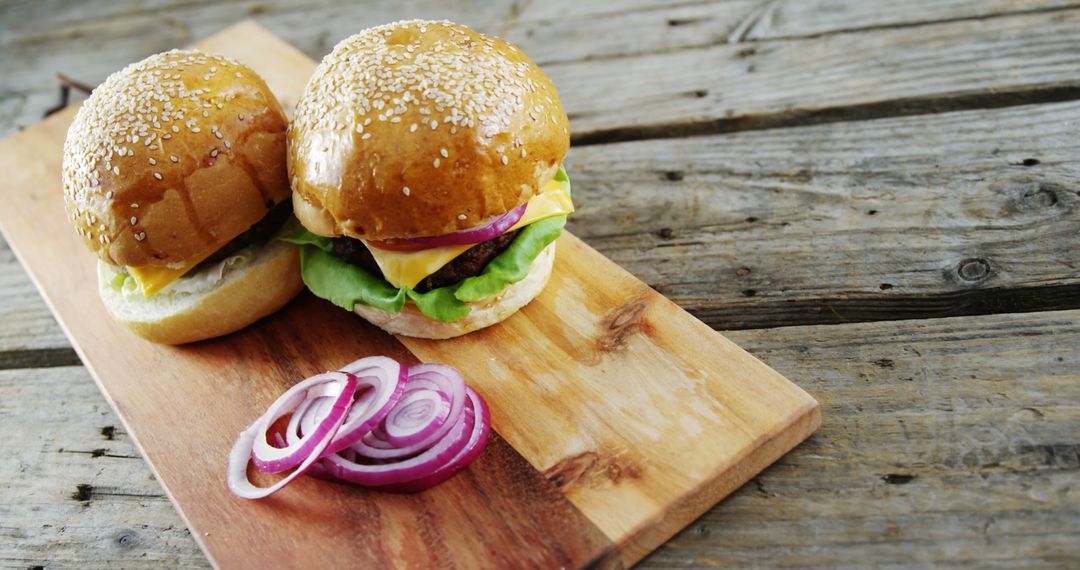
pixel 425 161
pixel 174 174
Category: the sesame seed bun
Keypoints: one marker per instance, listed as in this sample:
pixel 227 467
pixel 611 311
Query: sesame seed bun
pixel 419 129
pixel 173 156
pixel 411 322
pixel 241 298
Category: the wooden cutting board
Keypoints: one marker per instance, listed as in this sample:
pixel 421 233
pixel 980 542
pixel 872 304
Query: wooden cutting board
pixel 620 417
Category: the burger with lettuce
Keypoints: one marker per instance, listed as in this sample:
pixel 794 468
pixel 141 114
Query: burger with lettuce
pixel 426 168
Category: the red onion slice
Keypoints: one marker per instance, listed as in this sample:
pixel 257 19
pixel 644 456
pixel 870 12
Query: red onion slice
pixel 478 439
pixel 270 459
pixel 438 377
pixel 384 379
pixel 407 470
pixel 410 428
pixel 416 416
pixel 242 450
pixel 477 234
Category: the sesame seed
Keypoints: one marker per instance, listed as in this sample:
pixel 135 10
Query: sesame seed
pixel 109 195
pixel 196 130
pixel 175 129
pixel 522 153
pixel 240 116
pixel 134 205
pixel 152 161
pixel 366 136
pixel 218 134
pixel 406 191
pixel 157 175
pixel 460 78
pixel 139 236
pixel 395 120
pixel 228 145
pixel 134 220
pixel 213 152
pixel 462 217
pixel 116 170
pixel 173 158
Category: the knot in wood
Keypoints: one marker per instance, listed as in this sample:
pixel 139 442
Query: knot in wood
pixel 973 269
pixel 126 539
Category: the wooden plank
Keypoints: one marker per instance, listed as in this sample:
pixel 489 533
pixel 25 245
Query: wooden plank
pixel 934 215
pixel 29 335
pixel 841 77
pixel 632 485
pixel 566 30
pixel 632 394
pixel 938 448
pixel 691 77
pixel 947 443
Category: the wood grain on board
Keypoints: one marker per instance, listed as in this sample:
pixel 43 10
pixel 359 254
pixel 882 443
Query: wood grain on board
pixel 937 448
pixel 624 418
pixel 960 213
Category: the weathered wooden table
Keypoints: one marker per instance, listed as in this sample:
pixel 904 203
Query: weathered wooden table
pixel 880 199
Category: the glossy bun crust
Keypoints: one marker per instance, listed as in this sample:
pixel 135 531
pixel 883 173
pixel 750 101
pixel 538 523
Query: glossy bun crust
pixel 172 156
pixel 422 128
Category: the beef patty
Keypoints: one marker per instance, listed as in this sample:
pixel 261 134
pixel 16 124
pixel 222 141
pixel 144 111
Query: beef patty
pixel 260 232
pixel 466 265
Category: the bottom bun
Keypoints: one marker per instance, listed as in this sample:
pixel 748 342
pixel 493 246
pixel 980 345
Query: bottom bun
pixel 411 322
pixel 243 296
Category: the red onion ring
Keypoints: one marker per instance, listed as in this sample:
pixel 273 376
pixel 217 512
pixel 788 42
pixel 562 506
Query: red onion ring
pixel 438 377
pixel 413 428
pixel 385 379
pixel 270 459
pixel 411 469
pixel 477 441
pixel 415 416
pixel 476 234
pixel 236 470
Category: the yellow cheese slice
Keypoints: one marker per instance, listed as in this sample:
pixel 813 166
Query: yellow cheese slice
pixel 152 279
pixel 407 268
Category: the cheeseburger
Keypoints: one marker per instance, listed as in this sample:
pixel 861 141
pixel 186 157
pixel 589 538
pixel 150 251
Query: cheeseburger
pixel 425 161
pixel 174 174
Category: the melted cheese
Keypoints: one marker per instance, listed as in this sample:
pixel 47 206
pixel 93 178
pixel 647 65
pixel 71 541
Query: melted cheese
pixel 407 268
pixel 152 279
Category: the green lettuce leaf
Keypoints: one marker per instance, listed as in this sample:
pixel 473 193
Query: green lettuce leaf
pixel 345 284
pixel 512 265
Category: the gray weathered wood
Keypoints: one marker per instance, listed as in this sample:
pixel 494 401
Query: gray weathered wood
pixel 946 442
pixel 932 215
pixel 29 335
pixel 684 74
pixel 949 442
pixel 878 72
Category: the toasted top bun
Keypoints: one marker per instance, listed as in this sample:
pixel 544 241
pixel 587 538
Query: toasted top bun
pixel 421 128
pixel 173 156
